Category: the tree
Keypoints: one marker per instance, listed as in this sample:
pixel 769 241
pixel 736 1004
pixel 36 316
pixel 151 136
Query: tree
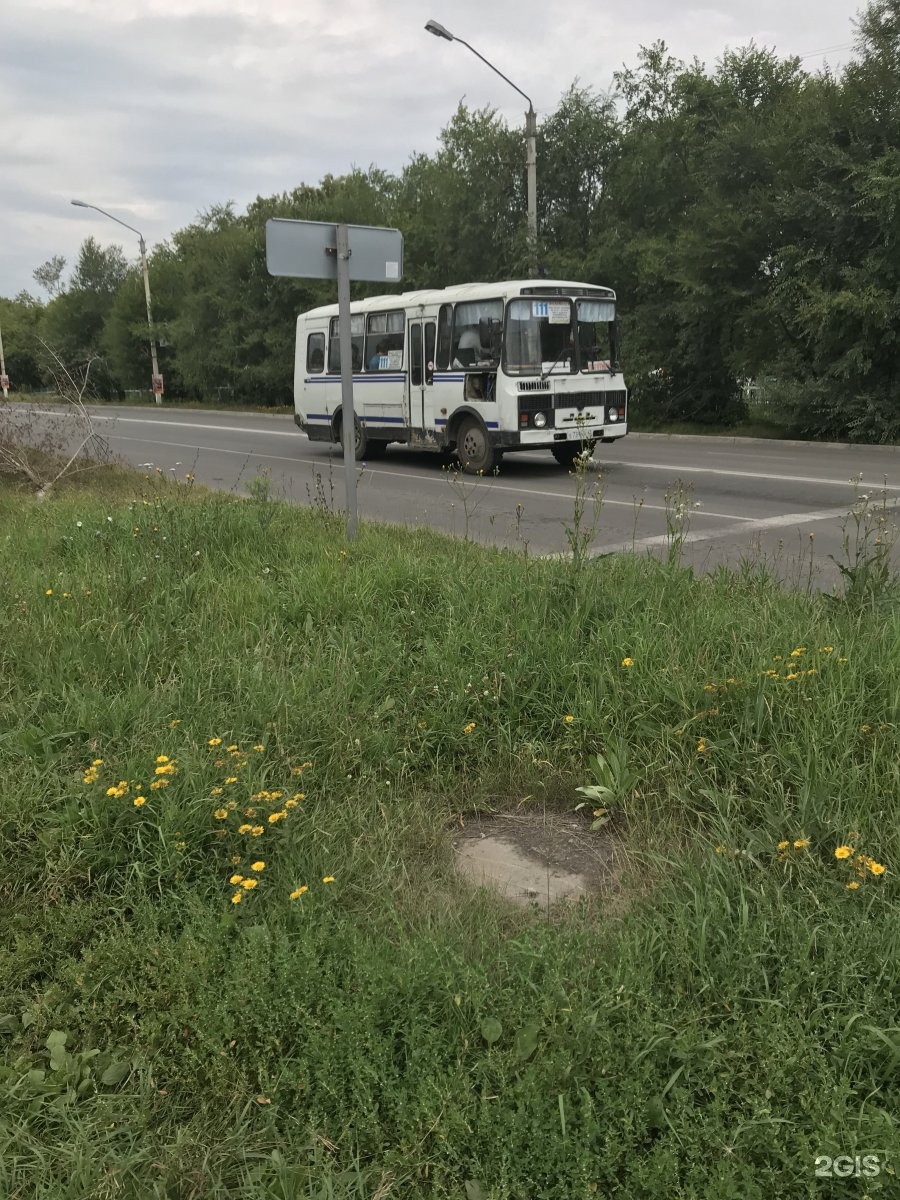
pixel 49 275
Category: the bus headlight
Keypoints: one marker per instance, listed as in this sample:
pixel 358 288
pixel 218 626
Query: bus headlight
pixel 539 420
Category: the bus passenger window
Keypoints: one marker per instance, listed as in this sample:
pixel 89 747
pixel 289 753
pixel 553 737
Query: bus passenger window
pixel 445 319
pixel 384 341
pixel 357 333
pixel 315 354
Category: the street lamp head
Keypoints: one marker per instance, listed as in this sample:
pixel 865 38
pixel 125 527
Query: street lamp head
pixel 440 31
pixel 79 204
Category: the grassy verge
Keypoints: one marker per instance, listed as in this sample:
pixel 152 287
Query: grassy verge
pixel 198 693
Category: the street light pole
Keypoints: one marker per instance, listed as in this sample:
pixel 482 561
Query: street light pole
pixel 3 378
pixel 157 382
pixel 530 139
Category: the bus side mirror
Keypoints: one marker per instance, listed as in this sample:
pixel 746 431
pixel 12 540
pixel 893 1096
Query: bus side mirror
pixel 615 342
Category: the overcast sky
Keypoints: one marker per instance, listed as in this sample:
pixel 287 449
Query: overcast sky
pixel 156 109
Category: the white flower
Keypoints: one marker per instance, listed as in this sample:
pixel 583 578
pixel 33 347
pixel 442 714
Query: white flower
pixel 78 524
pixel 110 520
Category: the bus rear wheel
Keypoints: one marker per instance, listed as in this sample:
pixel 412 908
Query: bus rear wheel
pixel 361 441
pixel 566 452
pixel 474 451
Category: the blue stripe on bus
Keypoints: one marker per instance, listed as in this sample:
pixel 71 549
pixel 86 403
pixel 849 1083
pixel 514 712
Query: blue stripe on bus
pixel 357 379
pixel 488 424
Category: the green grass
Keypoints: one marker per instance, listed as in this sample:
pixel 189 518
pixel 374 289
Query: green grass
pixel 704 1032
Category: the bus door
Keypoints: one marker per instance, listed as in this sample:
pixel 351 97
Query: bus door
pixel 421 376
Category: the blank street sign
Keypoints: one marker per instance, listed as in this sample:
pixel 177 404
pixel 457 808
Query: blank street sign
pixel 307 250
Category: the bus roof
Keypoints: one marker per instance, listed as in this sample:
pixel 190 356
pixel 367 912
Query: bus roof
pixel 505 289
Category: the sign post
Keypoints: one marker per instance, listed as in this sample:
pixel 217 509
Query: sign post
pixel 319 250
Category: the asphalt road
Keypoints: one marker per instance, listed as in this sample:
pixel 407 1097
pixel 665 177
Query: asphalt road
pixel 785 502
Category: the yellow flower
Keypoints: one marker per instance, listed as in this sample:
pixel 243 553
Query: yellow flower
pixel 165 769
pixel 469 728
pixel 843 852
pixel 235 859
pixel 298 892
pixel 214 742
pixel 175 723
pixel 139 801
pixel 221 814
pixel 237 897
pixel 290 804
pixel 259 749
pixel 217 791
pixel 702 746
pixel 799 652
pixel 782 846
pixel 792 675
pixel 421 724
pixel 258 866
pixel 250 884
pixel 328 879
pixel 49 592
pixel 231 748
pixel 876 868
pixel 231 779
pixel 258 830
pixel 777 658
pixel 244 828
pixel 721 849
pixel 158 783
pixel 275 817
pixel 826 649
pixel 568 718
pixel 627 662
pixel 163 758
pixel 181 845
pixel 801 843
pixel 853 886
pixel 236 879
pixel 98 762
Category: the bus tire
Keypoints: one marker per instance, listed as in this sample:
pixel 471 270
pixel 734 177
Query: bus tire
pixel 566 452
pixel 362 442
pixel 474 451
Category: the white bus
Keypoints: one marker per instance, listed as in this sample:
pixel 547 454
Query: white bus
pixel 479 369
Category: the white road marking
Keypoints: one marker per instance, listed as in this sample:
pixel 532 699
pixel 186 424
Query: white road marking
pixel 707 535
pixel 777 476
pixel 411 474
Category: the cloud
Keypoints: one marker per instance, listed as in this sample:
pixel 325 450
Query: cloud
pixel 156 109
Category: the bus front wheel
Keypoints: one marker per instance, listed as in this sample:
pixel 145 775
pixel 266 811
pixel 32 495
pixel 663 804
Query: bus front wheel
pixel 474 451
pixel 566 452
pixel 361 442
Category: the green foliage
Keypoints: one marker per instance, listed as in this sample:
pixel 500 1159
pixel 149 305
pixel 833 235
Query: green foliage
pixel 748 215
pixel 725 1019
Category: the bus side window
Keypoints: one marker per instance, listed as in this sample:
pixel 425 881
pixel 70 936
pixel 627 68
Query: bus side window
pixel 315 354
pixel 445 320
pixel 357 335
pixel 415 355
pixel 429 352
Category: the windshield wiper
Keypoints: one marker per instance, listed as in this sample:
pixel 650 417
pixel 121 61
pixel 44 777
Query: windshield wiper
pixel 546 374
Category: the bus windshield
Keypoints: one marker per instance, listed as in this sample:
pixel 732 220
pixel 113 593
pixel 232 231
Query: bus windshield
pixel 539 337
pixel 595 334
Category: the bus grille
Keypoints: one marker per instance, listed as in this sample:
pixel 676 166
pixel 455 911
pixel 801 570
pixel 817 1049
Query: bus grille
pixel 581 400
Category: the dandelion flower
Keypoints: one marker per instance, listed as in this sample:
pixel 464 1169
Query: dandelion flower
pixel 290 804
pixel 801 843
pixel 158 783
pixel 627 662
pixel 275 817
pixel 258 866
pixel 139 801
pixel 236 879
pixel 721 849
pixel 214 742
pixel 843 852
pixel 298 892
pixel 258 830
pixel 259 749
pixel 876 868
pixel 244 828
pixel 469 728
pixel 49 592
pixel 163 758
pixel 798 652
pixel 237 897
pixel 826 649
pixel 174 724
pixel 98 762
pixel 328 879
pixel 852 886
pixel 231 779
pixel 231 749
pixel 568 718
pixel 782 846
pixel 221 814
pixel 217 791
pixel 249 884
